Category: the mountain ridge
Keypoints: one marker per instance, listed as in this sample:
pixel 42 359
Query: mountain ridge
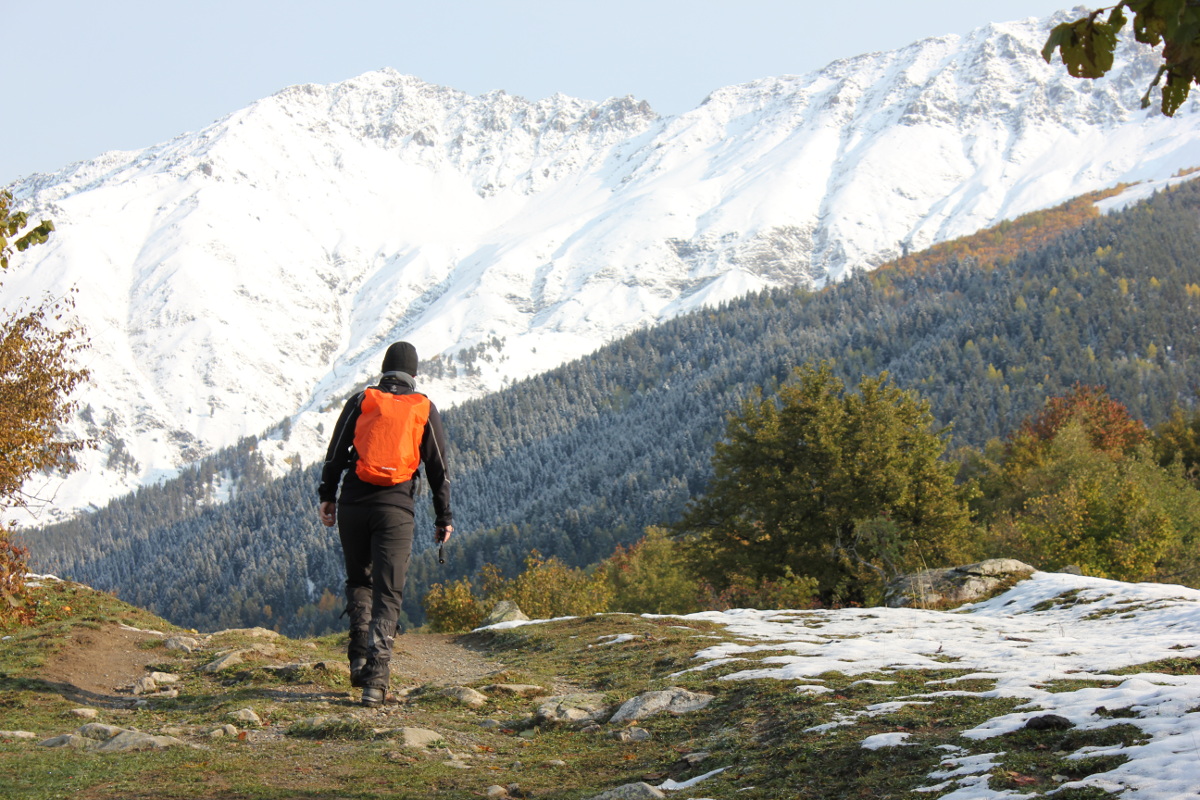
pixel 252 272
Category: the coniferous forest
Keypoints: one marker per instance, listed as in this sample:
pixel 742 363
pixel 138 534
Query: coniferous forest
pixel 581 459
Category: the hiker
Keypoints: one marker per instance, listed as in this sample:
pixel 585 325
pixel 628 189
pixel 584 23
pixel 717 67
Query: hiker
pixel 383 434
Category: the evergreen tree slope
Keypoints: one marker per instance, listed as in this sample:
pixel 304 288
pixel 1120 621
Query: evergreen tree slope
pixel 581 458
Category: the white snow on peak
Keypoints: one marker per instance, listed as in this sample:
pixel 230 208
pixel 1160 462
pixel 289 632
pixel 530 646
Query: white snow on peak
pixel 256 270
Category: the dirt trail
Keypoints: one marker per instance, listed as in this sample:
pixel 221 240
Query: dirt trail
pixel 99 665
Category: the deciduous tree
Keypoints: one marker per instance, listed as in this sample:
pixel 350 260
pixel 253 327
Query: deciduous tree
pixel 845 487
pixel 38 374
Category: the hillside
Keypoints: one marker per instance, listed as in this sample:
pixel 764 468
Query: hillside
pixel 252 272
pixel 1062 686
pixel 581 458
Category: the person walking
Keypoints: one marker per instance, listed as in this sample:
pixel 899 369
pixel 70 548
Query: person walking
pixel 383 435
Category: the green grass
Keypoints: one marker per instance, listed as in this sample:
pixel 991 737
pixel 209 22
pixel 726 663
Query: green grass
pixel 773 740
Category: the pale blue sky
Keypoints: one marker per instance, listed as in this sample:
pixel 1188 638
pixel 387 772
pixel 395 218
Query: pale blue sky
pixel 85 76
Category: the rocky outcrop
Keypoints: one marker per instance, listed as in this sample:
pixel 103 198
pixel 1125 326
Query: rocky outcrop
pixel 942 588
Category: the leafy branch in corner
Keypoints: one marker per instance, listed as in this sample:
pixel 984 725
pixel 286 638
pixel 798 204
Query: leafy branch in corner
pixel 1086 45
pixel 11 224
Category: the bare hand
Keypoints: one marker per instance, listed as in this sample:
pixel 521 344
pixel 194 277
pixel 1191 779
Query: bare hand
pixel 443 534
pixel 327 511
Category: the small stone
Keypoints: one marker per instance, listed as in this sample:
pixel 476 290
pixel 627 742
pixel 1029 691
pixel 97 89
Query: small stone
pixel 164 678
pixel 18 735
pixel 466 695
pixel 495 791
pixel 418 737
pixel 490 724
pixel 633 734
pixel 224 662
pixel 184 643
pixel 224 730
pixel 84 713
pixel 517 689
pixel 144 685
pixel 246 715
pixel 556 762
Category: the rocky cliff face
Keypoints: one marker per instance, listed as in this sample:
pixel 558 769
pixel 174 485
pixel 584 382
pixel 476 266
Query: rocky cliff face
pixel 254 271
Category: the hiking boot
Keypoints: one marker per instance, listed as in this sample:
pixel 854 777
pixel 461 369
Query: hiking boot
pixel 372 697
pixel 357 679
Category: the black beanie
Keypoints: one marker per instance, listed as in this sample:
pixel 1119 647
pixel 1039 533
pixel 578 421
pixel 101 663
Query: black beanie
pixel 401 357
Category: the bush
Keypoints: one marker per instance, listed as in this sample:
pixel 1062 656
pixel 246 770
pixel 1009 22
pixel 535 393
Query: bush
pixel 651 577
pixel 453 607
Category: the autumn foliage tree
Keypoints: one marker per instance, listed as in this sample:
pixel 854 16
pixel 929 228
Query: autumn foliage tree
pixel 1078 484
pixel 38 343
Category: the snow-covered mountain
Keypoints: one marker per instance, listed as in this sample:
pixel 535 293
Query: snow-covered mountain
pixel 255 271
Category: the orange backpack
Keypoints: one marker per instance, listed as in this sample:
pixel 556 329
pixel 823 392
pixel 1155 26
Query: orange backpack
pixel 387 436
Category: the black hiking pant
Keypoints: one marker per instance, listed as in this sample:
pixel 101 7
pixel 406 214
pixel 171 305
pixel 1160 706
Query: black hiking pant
pixel 377 545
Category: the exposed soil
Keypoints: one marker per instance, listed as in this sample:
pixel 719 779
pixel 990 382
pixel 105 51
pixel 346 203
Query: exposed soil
pixel 100 665
pixel 101 661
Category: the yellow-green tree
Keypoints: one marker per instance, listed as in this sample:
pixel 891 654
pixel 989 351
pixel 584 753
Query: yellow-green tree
pixel 849 488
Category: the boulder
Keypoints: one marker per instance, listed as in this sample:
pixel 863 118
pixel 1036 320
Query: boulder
pixel 134 741
pixel 673 700
pixel 504 611
pixel 956 585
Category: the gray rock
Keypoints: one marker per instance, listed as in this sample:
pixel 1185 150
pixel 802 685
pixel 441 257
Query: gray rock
pixel 466 695
pixel 956 585
pixel 71 740
pixel 632 734
pixel 224 730
pixel 673 700
pixel 185 644
pixel 418 737
pixel 232 658
pixel 504 611
pixel 516 689
pixel 571 709
pixel 134 741
pixel 224 662
pixel 630 791
pixel 99 731
pixel 84 713
pixel 144 685
pixel 164 678
pixel 253 633
pixel 245 715
pixel 18 735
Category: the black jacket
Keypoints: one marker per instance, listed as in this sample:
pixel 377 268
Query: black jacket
pixel 341 458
